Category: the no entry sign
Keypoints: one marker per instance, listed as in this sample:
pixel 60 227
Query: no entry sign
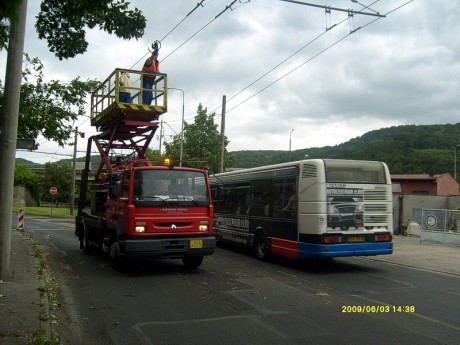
pixel 53 190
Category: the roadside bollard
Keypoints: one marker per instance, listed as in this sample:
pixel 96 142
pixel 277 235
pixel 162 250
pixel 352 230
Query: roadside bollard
pixel 21 214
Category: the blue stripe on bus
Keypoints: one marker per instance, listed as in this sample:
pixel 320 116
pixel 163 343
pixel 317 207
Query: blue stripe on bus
pixel 309 250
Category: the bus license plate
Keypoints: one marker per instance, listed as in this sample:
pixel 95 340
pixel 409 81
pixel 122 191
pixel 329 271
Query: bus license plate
pixel 357 239
pixel 194 244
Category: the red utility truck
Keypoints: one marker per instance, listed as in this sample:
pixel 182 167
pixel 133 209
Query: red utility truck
pixel 140 210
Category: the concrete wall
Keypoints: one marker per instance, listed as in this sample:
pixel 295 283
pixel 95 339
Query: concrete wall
pixel 22 197
pixel 404 205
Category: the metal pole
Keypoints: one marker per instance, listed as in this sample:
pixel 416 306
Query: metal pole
pixel 455 162
pixel 9 131
pixel 222 134
pixel 182 125
pixel 74 163
pixel 290 134
pixel 161 133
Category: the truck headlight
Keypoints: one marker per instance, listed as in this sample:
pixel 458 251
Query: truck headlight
pixel 203 227
pixel 139 228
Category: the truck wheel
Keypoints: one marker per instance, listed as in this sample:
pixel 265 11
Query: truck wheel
pixel 192 262
pixel 84 241
pixel 261 245
pixel 117 260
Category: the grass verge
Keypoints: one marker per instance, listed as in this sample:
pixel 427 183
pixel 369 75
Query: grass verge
pixel 60 212
pixel 49 293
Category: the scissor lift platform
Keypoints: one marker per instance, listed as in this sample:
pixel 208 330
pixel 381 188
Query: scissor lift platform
pixel 107 110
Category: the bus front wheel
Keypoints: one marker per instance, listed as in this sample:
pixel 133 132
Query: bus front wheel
pixel 261 245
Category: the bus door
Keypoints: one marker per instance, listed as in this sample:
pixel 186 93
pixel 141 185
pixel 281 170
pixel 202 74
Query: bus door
pixel 285 200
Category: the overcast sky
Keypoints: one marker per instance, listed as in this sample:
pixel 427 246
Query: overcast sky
pixel 400 69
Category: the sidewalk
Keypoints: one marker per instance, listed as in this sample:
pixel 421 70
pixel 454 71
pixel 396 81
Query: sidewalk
pixel 23 302
pixel 408 251
pixel 24 308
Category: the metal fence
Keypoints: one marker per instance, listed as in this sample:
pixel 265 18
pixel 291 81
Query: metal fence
pixel 440 226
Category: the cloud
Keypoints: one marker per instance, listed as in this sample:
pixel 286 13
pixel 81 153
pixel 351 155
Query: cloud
pixel 333 86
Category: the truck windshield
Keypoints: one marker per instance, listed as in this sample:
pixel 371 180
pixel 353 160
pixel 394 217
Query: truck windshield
pixel 159 187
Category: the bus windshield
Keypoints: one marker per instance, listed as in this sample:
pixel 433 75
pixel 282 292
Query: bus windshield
pixel 159 187
pixel 342 171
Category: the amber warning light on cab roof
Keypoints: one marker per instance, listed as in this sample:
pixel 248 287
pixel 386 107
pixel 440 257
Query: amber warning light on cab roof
pixel 167 162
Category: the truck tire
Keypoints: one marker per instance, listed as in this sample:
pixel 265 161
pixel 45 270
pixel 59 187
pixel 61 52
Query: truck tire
pixel 85 244
pixel 192 262
pixel 261 249
pixel 117 260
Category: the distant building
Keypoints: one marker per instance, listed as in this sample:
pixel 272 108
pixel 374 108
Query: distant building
pixel 425 184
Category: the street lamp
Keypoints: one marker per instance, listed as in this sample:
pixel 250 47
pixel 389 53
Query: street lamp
pixel 455 161
pixel 182 125
pixel 290 134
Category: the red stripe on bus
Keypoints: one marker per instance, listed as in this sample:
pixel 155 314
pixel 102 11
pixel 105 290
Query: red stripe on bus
pixel 284 248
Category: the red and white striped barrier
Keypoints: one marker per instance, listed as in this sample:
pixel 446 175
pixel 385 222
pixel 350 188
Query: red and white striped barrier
pixel 21 214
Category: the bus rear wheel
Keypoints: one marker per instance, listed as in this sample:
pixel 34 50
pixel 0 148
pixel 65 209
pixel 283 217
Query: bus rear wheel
pixel 261 249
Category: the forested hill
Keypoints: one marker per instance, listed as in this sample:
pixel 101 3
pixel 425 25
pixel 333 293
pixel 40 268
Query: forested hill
pixel 410 149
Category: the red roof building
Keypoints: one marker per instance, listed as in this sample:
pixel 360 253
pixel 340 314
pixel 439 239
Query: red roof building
pixel 424 184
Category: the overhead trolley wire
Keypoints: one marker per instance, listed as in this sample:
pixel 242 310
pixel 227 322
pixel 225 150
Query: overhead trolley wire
pixel 205 26
pixel 174 28
pixel 197 5
pixel 292 55
pixel 313 57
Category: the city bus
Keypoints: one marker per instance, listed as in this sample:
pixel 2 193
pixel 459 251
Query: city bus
pixel 309 209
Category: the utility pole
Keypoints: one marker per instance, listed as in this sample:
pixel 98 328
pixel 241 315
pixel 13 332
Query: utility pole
pixel 74 163
pixel 9 131
pixel 222 134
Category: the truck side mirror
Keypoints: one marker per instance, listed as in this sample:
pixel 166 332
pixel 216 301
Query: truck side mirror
pixel 114 187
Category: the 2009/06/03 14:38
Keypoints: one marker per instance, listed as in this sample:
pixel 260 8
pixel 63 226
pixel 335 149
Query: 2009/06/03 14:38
pixel 378 309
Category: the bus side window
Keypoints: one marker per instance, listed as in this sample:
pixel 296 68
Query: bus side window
pixel 242 196
pixel 285 198
pixel 226 200
pixel 215 194
pixel 261 201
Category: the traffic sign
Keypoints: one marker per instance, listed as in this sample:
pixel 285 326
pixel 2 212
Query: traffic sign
pixel 26 144
pixel 53 190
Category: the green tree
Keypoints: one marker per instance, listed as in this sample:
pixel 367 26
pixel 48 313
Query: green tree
pixel 29 179
pixel 63 23
pixel 201 142
pixel 59 176
pixel 153 155
pixel 49 108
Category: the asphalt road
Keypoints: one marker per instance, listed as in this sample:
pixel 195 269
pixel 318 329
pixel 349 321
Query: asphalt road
pixel 235 299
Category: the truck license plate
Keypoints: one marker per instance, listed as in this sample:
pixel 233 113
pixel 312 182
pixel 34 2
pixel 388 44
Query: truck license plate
pixel 196 244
